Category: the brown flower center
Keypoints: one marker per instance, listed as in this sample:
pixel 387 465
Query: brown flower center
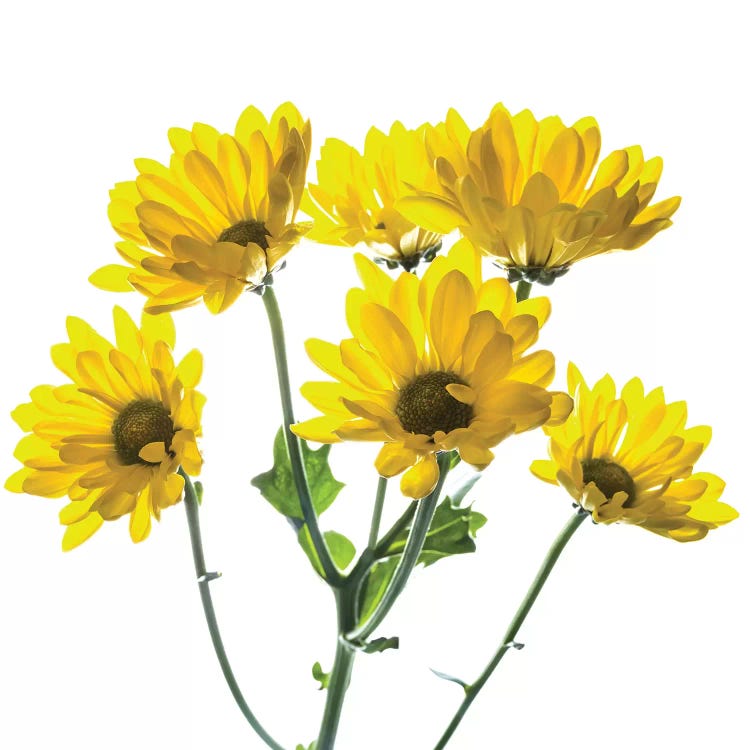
pixel 138 424
pixel 609 477
pixel 425 406
pixel 246 231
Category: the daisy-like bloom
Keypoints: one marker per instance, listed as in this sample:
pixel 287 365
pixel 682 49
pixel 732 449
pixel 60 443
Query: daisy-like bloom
pixel 354 199
pixel 215 221
pixel 521 191
pixel 113 438
pixel 630 459
pixel 434 364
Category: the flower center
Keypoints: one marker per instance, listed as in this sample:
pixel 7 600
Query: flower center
pixel 424 406
pixel 246 231
pixel 137 425
pixel 609 477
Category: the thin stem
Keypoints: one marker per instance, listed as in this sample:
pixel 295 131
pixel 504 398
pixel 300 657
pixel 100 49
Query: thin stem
pixel 395 530
pixel 523 289
pixel 377 512
pixel 528 602
pixel 204 579
pixel 330 571
pixel 412 550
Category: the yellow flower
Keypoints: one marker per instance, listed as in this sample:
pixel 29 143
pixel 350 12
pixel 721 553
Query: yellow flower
pixel 630 459
pixel 435 364
pixel 520 190
pixel 219 217
pixel 113 438
pixel 354 199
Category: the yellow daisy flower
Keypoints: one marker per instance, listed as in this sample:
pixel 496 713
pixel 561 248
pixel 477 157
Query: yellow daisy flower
pixel 521 191
pixel 630 459
pixel 435 364
pixel 219 217
pixel 113 438
pixel 354 199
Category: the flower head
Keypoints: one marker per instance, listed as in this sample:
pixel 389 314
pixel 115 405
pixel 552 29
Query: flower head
pixel 215 221
pixel 521 191
pixel 630 459
pixel 434 364
pixel 354 200
pixel 113 438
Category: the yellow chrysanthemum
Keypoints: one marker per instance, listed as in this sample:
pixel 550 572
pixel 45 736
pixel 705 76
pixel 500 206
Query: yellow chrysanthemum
pixel 112 439
pixel 630 459
pixel 219 217
pixel 354 199
pixel 520 190
pixel 435 364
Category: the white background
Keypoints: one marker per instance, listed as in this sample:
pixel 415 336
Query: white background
pixel 636 640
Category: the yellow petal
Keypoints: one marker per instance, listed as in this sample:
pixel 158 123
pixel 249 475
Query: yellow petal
pixel 112 278
pixel 140 517
pixel 391 339
pixel 77 533
pixel 394 458
pixel 153 453
pixel 421 479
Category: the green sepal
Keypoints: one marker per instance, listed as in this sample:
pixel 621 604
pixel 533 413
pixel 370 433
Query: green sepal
pixel 277 485
pixel 341 549
pixel 322 677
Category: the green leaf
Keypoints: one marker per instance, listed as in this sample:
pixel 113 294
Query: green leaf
pixel 311 746
pixel 322 677
pixel 277 485
pixel 377 582
pixel 452 532
pixel 378 645
pixel 341 549
pixel 450 678
pixel 198 487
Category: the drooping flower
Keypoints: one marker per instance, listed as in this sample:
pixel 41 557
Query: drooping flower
pixel 114 437
pixel 354 200
pixel 215 221
pixel 630 458
pixel 521 190
pixel 434 364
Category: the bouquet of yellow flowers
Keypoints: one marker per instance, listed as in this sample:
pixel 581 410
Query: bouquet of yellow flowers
pixel 463 231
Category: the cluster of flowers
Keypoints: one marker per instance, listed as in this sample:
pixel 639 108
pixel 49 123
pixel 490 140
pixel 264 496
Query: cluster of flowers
pixel 436 362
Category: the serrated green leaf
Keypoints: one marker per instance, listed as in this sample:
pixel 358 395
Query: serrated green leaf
pixel 451 533
pixel 322 677
pixel 341 549
pixel 277 484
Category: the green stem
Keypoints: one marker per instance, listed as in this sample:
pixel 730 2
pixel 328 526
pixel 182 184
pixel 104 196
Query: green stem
pixel 412 550
pixel 330 571
pixel 528 602
pixel 204 579
pixel 523 289
pixel 395 530
pixel 340 674
pixel 377 512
